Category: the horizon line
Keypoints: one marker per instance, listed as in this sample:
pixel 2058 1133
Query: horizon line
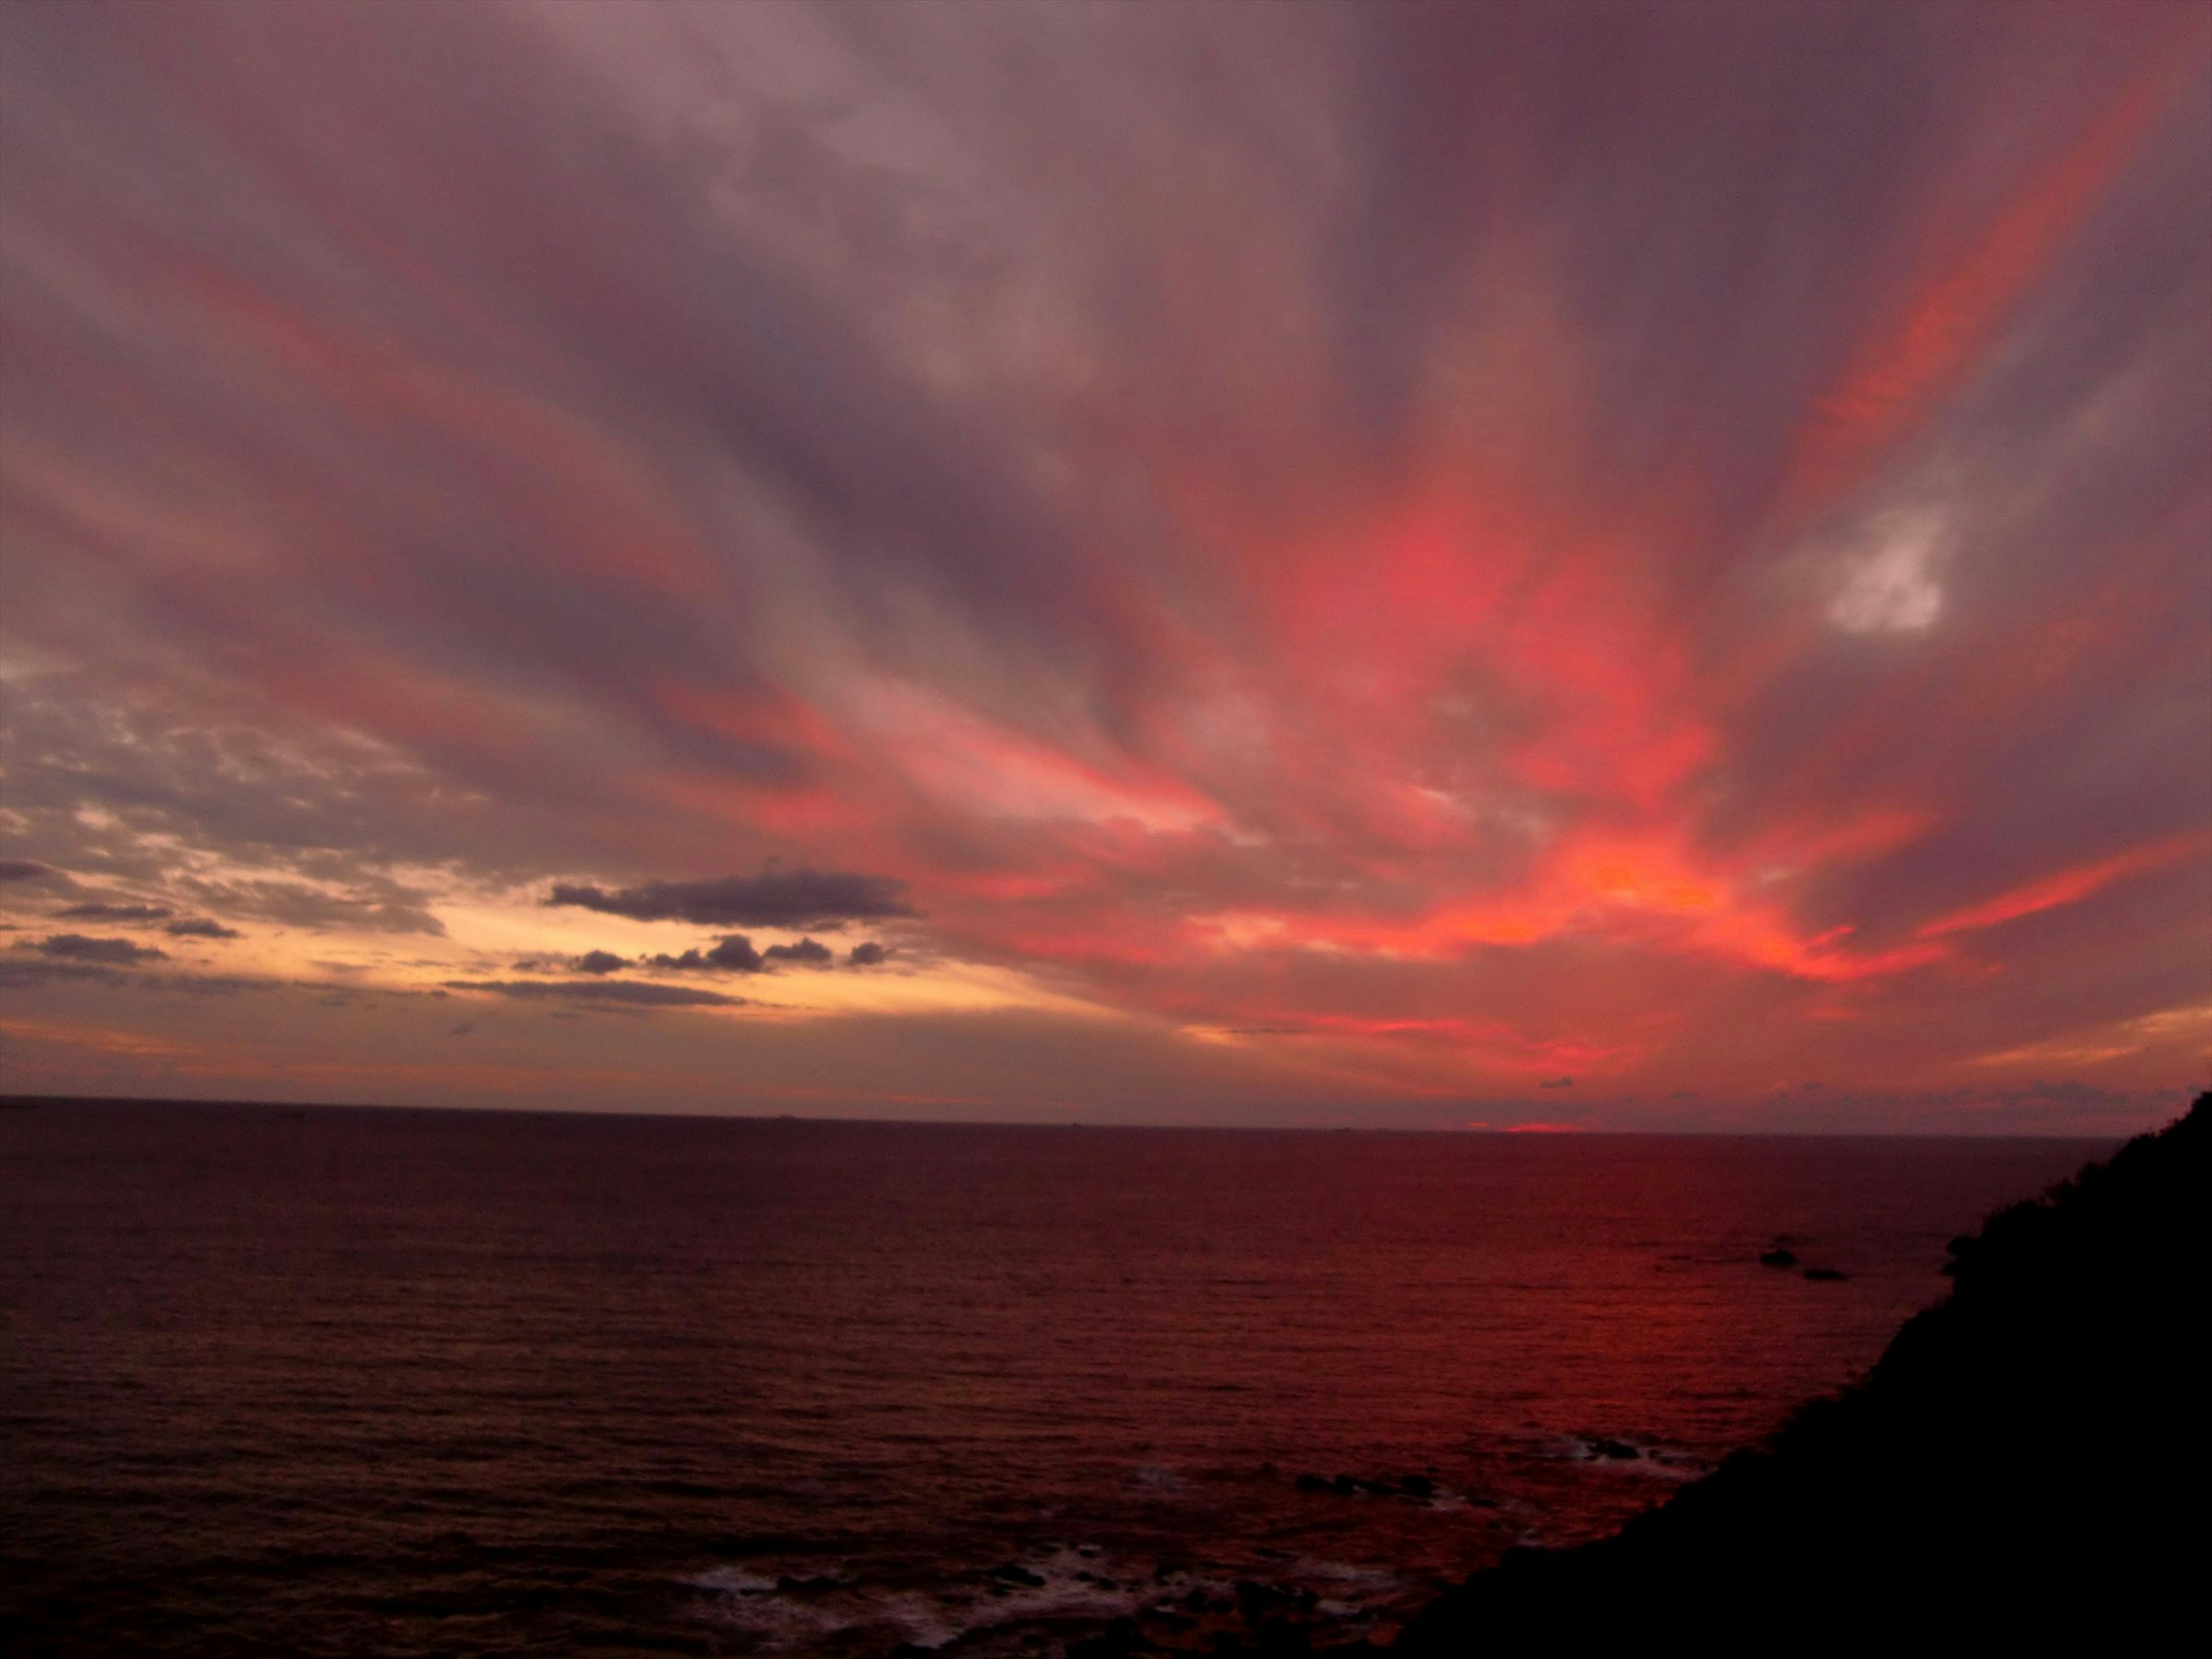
pixel 1549 1131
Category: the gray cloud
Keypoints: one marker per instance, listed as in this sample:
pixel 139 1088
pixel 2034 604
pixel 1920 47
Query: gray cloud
pixel 73 964
pixel 118 913
pixel 393 909
pixel 20 974
pixel 77 947
pixel 201 927
pixel 624 993
pixel 867 953
pixel 110 775
pixel 22 870
pixel 775 898
pixel 733 954
pixel 205 985
pixel 808 953
pixel 595 963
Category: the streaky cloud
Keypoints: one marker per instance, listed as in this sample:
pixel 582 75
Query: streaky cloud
pixel 775 898
pixel 201 927
pixel 624 993
pixel 79 947
pixel 117 912
pixel 23 972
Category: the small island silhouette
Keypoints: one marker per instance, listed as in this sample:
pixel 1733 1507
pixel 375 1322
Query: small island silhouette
pixel 2026 1464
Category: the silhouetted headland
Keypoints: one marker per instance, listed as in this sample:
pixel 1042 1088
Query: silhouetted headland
pixel 2028 1458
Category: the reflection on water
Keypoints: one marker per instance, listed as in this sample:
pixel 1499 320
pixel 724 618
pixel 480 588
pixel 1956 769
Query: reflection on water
pixel 391 1383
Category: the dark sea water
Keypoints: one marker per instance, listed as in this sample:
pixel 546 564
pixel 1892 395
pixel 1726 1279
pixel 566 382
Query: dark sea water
pixel 382 1382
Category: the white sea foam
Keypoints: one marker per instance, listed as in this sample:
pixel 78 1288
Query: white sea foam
pixel 1160 1479
pixel 1076 1583
pixel 732 1581
pixel 1650 1458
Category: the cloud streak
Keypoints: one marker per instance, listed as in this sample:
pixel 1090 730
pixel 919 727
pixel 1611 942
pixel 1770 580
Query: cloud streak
pixel 775 898
pixel 613 992
pixel 79 947
pixel 115 913
pixel 200 928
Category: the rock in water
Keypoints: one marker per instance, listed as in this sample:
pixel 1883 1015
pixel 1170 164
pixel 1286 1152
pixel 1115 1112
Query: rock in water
pixel 2024 1464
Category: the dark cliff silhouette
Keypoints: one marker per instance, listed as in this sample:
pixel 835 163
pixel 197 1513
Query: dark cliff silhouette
pixel 2027 1461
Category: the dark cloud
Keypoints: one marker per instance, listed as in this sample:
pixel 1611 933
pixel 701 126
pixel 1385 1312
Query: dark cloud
pixel 867 953
pixel 75 966
pixel 775 898
pixel 624 993
pixel 201 927
pixel 213 985
pixel 78 947
pixel 117 913
pixel 20 974
pixel 733 954
pixel 303 909
pixel 22 870
pixel 1557 1082
pixel 596 962
pixel 808 953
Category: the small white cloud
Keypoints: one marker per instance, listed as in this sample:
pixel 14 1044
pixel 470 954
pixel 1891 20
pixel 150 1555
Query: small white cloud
pixel 1890 582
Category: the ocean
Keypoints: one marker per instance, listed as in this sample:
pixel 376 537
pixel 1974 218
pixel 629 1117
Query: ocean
pixel 385 1382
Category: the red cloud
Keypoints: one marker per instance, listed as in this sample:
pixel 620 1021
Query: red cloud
pixel 2067 886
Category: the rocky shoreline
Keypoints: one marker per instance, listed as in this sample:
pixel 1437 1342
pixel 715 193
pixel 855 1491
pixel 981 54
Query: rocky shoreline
pixel 2026 1461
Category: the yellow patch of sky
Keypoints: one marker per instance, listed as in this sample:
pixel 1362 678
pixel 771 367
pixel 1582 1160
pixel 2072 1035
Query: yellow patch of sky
pixel 488 933
pixel 2118 1040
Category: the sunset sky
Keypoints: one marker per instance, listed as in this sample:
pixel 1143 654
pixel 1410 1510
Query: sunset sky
pixel 1486 565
